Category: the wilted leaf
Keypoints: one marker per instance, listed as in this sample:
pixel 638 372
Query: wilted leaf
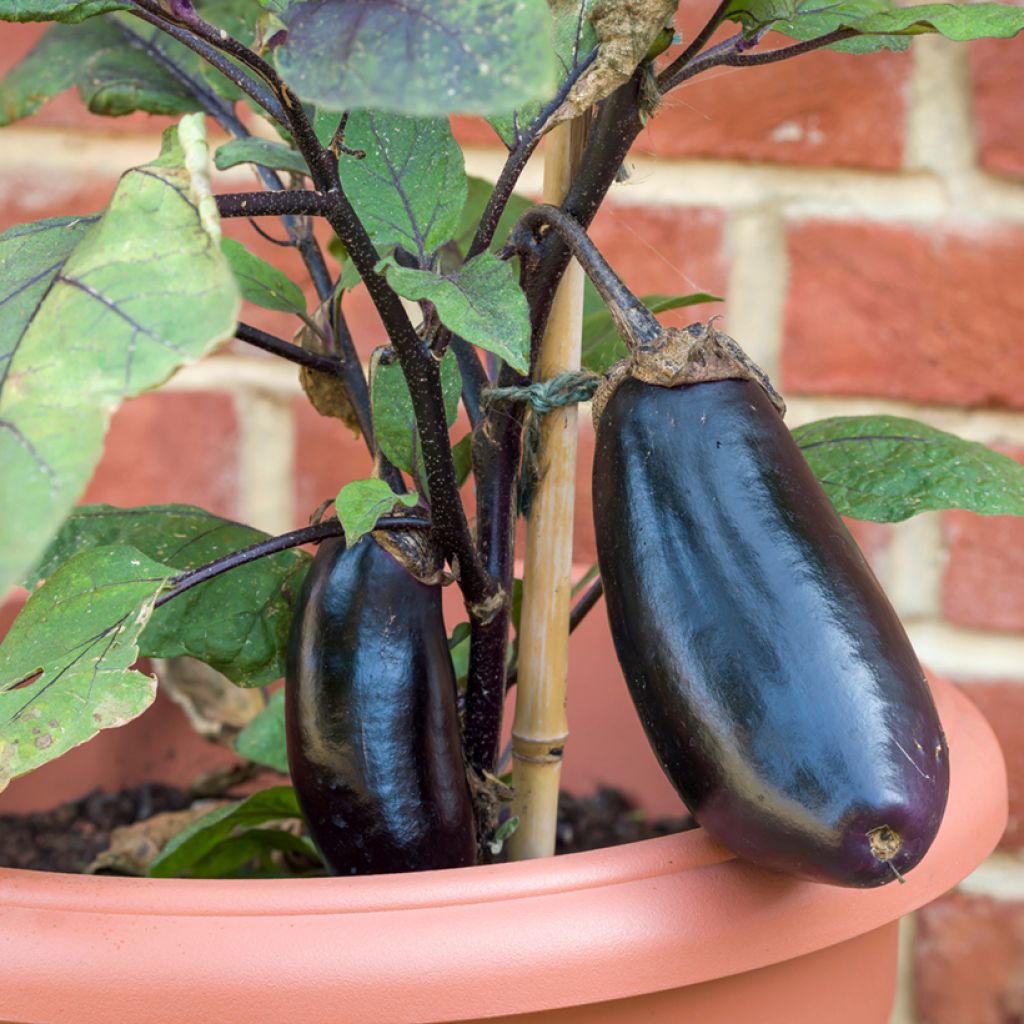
pixel 479 301
pixel 216 708
pixel 418 57
pixel 237 623
pixel 144 291
pixel 887 468
pixel 65 665
pixel 326 392
pixel 134 847
pixel 625 31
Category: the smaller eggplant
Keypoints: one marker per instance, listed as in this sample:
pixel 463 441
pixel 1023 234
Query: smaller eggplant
pixel 374 745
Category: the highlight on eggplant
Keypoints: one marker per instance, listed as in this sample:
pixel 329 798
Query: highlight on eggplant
pixel 374 745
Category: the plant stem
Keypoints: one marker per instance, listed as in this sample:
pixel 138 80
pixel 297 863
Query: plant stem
pixel 696 45
pixel 498 437
pixel 540 730
pixel 286 350
pixel 633 318
pixel 152 13
pixel 289 202
pixel 743 60
pixel 296 538
pixel 423 375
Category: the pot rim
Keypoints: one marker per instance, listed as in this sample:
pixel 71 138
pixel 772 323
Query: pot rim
pixel 471 942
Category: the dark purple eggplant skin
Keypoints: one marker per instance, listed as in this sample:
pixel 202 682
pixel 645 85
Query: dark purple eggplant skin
pixel 774 680
pixel 373 735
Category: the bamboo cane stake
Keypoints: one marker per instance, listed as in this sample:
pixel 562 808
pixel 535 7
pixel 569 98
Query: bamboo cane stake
pixel 540 728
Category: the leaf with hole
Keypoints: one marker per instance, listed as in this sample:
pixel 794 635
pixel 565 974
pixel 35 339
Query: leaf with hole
pixel 394 421
pixel 260 282
pixel 102 330
pixel 417 57
pixel 237 622
pixel 65 665
pixel 479 301
pixel 887 468
pixel 410 187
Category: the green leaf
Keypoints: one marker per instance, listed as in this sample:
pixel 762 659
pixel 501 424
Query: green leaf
pixel 882 24
pixel 574 38
pixel 418 57
pixel 479 301
pixel 57 10
pixel 887 468
pixel 49 68
pixel 362 502
pixel 410 187
pixel 237 622
pixel 602 346
pixel 503 833
pixel 479 193
pixel 462 455
pixel 80 633
pixel 203 836
pixel 143 292
pixel 263 739
pixel 458 648
pixel 260 282
pixel 232 857
pixel 394 421
pixel 264 152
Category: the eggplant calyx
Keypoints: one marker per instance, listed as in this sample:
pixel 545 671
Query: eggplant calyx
pixel 695 354
pixel 416 552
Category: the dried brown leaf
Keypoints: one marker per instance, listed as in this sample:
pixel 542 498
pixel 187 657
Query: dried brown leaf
pixel 215 706
pixel 625 31
pixel 326 392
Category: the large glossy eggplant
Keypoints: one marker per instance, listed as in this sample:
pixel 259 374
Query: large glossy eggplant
pixel 774 680
pixel 373 737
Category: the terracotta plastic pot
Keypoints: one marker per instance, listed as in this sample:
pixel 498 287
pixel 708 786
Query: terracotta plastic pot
pixel 666 930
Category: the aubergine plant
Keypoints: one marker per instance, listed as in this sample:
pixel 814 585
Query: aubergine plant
pixel 352 98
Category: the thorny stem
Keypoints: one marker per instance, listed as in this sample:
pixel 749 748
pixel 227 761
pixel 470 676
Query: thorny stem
pixel 296 538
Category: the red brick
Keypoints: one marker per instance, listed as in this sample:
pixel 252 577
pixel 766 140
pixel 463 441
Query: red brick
pixel 997 74
pixel 983 584
pixel 672 251
pixel 170 447
pixel 852 117
pixel 967 961
pixel 900 312
pixel 327 456
pixel 1002 703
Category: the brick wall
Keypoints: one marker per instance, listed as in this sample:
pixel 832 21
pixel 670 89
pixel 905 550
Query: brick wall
pixel 865 219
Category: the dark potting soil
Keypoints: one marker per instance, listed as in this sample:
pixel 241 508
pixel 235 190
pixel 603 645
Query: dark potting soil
pixel 69 837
